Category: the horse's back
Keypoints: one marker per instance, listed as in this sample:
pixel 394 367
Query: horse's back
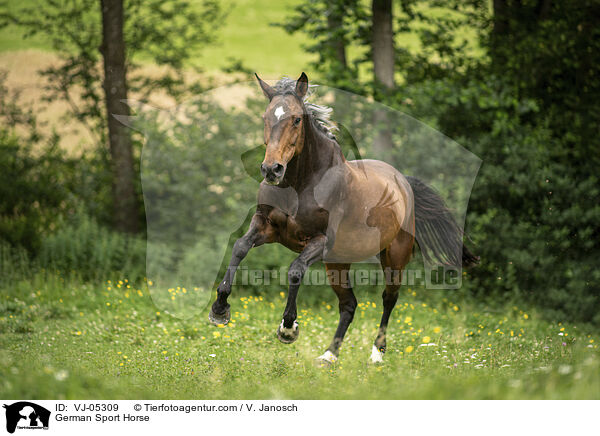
pixel 381 172
pixel 376 206
pixel 377 181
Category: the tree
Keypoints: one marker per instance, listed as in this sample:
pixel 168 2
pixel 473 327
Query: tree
pixel 332 26
pixel 383 44
pixel 115 90
pixel 335 20
pixel 383 68
pixel 166 32
pixel 518 85
pixel 511 18
pixel 36 176
pixel 528 108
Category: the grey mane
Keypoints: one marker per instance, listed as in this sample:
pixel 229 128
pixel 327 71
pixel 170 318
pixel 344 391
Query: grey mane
pixel 321 114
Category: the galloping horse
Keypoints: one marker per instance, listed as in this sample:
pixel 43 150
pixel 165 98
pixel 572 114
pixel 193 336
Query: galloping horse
pixel 316 203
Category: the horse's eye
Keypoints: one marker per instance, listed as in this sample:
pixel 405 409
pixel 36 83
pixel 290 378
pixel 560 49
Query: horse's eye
pixel 297 121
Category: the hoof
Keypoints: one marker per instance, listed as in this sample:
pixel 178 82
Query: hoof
pixel 376 356
pixel 326 359
pixel 287 336
pixel 219 319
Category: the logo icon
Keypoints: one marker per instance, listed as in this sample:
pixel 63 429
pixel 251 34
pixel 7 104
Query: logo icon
pixel 26 415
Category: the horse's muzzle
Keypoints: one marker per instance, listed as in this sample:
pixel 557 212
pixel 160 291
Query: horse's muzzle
pixel 272 173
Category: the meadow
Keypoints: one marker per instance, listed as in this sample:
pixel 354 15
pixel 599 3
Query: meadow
pixel 66 339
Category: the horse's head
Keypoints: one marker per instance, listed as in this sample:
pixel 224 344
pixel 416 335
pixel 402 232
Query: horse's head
pixel 284 120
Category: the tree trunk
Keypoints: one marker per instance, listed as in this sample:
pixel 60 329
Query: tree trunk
pixel 543 9
pixel 115 89
pixel 383 43
pixel 500 30
pixel 501 20
pixel 338 45
pixel 383 67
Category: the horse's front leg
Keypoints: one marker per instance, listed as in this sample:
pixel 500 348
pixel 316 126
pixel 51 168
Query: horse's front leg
pixel 260 232
pixel 287 332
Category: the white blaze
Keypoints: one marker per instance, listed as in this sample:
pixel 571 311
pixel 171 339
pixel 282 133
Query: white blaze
pixel 279 112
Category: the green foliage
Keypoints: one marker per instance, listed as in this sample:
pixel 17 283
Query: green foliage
pixel 534 211
pixel 15 262
pixel 332 26
pixel 33 191
pixel 46 197
pixel 36 178
pixel 167 33
pixel 192 168
pixel 93 252
pixel 78 247
pixel 523 96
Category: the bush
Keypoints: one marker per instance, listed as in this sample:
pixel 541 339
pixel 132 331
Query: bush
pixel 93 252
pixel 34 187
pixel 534 210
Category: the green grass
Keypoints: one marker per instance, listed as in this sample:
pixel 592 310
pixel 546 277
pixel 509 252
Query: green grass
pixel 64 339
pixel 248 35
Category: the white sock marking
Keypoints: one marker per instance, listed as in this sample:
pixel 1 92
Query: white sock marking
pixel 376 355
pixel 328 356
pixel 287 331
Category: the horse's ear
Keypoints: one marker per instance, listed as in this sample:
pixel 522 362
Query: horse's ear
pixel 266 88
pixel 302 85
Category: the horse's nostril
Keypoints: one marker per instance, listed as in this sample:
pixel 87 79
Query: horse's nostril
pixel 272 171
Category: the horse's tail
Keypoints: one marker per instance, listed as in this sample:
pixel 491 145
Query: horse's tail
pixel 439 237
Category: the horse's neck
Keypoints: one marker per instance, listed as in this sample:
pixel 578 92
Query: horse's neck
pixel 318 155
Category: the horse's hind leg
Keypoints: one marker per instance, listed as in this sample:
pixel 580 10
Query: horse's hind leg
pixel 337 274
pixel 393 259
pixel 338 277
